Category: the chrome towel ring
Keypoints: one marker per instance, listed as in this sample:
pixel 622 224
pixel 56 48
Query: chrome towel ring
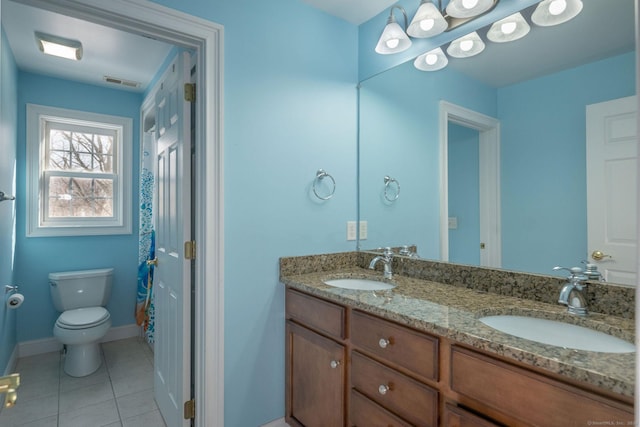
pixel 388 183
pixel 320 175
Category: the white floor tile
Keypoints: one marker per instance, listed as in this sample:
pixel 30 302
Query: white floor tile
pixel 99 414
pixel 131 405
pixel 150 419
pixel 135 382
pixel 51 421
pixel 26 412
pixel 86 396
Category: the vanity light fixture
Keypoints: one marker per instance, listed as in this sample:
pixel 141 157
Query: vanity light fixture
pixel 511 28
pixel 466 46
pixel 393 39
pixel 554 12
pixel 59 46
pixel 427 22
pixel 433 60
pixel 468 8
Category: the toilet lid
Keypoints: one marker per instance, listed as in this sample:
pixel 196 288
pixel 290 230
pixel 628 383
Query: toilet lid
pixel 81 318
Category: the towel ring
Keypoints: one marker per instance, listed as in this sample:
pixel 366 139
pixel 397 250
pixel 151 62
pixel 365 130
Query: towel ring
pixel 387 183
pixel 320 175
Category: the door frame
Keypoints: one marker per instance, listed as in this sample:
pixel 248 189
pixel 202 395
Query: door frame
pixel 489 158
pixel 206 38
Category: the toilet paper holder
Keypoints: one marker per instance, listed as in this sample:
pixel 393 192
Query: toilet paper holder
pixel 10 289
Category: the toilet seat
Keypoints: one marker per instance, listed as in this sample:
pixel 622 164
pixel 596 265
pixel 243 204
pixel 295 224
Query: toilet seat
pixel 83 318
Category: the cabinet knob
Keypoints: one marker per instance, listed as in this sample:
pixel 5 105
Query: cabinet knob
pixel 383 389
pixel 334 364
pixel 384 342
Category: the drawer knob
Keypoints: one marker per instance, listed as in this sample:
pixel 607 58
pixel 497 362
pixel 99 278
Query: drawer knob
pixel 334 364
pixel 384 342
pixel 383 389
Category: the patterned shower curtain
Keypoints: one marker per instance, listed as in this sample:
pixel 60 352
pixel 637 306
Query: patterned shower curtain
pixel 146 248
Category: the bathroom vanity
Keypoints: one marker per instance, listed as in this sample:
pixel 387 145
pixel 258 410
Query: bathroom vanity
pixel 418 355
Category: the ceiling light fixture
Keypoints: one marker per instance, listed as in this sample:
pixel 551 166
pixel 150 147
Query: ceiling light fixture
pixel 466 46
pixel 427 22
pixel 468 8
pixel 393 39
pixel 433 60
pixel 511 28
pixel 554 12
pixel 59 46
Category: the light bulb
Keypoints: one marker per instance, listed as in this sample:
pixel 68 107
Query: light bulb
pixel 556 7
pixel 431 58
pixel 508 27
pixel 466 45
pixel 392 43
pixel 469 4
pixel 427 24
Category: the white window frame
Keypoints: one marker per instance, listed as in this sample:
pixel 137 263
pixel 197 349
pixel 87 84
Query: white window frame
pixel 37 224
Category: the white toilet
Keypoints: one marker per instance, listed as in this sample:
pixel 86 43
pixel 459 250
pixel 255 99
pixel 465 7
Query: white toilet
pixel 81 297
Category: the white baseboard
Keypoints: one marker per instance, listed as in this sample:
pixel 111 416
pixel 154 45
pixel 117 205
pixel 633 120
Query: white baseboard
pixel 276 423
pixel 47 345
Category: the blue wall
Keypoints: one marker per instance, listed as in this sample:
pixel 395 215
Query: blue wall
pixel 8 120
pixel 463 146
pixel 543 132
pixel 36 257
pixel 399 137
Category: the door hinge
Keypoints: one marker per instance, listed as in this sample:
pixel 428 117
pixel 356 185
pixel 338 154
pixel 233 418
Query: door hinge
pixel 190 92
pixel 189 409
pixel 190 249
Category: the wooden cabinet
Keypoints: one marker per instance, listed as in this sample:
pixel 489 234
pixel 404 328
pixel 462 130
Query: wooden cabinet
pixel 315 361
pixel 528 398
pixel 345 367
pixel 315 380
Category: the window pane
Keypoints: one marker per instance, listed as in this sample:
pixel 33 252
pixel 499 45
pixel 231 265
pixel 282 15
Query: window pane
pixel 80 197
pixel 80 151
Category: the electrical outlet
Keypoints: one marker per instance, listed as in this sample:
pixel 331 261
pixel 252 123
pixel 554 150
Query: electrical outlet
pixel 351 230
pixel 363 230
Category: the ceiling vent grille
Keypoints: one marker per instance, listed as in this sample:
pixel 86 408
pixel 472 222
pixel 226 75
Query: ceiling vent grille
pixel 121 82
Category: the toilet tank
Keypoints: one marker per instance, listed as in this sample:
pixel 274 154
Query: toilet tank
pixel 77 289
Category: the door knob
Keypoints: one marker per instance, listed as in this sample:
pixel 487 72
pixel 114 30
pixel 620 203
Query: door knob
pixel 153 262
pixel 8 385
pixel 599 255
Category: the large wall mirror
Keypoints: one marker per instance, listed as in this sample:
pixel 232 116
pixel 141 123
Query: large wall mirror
pixel 425 181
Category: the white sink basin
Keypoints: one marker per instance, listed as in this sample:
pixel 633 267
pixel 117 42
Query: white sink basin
pixel 360 284
pixel 558 333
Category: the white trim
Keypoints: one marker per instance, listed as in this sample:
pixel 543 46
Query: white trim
pixel 39 226
pixel 489 159
pixel 206 38
pixel 276 423
pixel 47 345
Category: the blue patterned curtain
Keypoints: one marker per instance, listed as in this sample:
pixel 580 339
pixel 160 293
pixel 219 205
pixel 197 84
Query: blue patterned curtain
pixel 146 249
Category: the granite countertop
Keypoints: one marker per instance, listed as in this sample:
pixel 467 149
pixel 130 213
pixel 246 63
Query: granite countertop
pixel 453 312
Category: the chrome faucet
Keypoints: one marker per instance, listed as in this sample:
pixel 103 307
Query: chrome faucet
pixel 571 293
pixel 386 258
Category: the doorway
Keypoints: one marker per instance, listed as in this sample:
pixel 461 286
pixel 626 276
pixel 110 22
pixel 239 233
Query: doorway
pixel 488 130
pixel 205 39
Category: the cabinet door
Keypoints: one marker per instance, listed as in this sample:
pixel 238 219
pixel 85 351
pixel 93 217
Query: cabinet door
pixel 315 378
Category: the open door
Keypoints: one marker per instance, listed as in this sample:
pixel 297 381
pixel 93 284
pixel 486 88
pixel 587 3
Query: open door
pixel 172 276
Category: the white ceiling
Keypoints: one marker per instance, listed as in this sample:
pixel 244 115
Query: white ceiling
pixel 106 51
pixel 603 28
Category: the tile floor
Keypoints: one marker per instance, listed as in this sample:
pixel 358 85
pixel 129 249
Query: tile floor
pixel 118 394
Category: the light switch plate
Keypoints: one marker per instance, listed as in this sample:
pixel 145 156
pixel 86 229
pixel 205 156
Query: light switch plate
pixel 363 230
pixel 351 230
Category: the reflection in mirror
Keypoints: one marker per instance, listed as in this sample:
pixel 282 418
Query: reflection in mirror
pixel 538 88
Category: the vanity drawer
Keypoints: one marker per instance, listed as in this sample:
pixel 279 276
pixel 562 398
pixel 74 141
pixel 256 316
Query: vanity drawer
pixel 404 396
pixel 527 396
pixel 455 416
pixel 412 350
pixel 318 314
pixel 366 413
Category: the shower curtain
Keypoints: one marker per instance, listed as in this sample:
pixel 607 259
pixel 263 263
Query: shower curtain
pixel 146 248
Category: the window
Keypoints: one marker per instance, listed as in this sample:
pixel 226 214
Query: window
pixel 78 173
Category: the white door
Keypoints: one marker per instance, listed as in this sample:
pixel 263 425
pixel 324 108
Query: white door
pixel 172 280
pixel 611 188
